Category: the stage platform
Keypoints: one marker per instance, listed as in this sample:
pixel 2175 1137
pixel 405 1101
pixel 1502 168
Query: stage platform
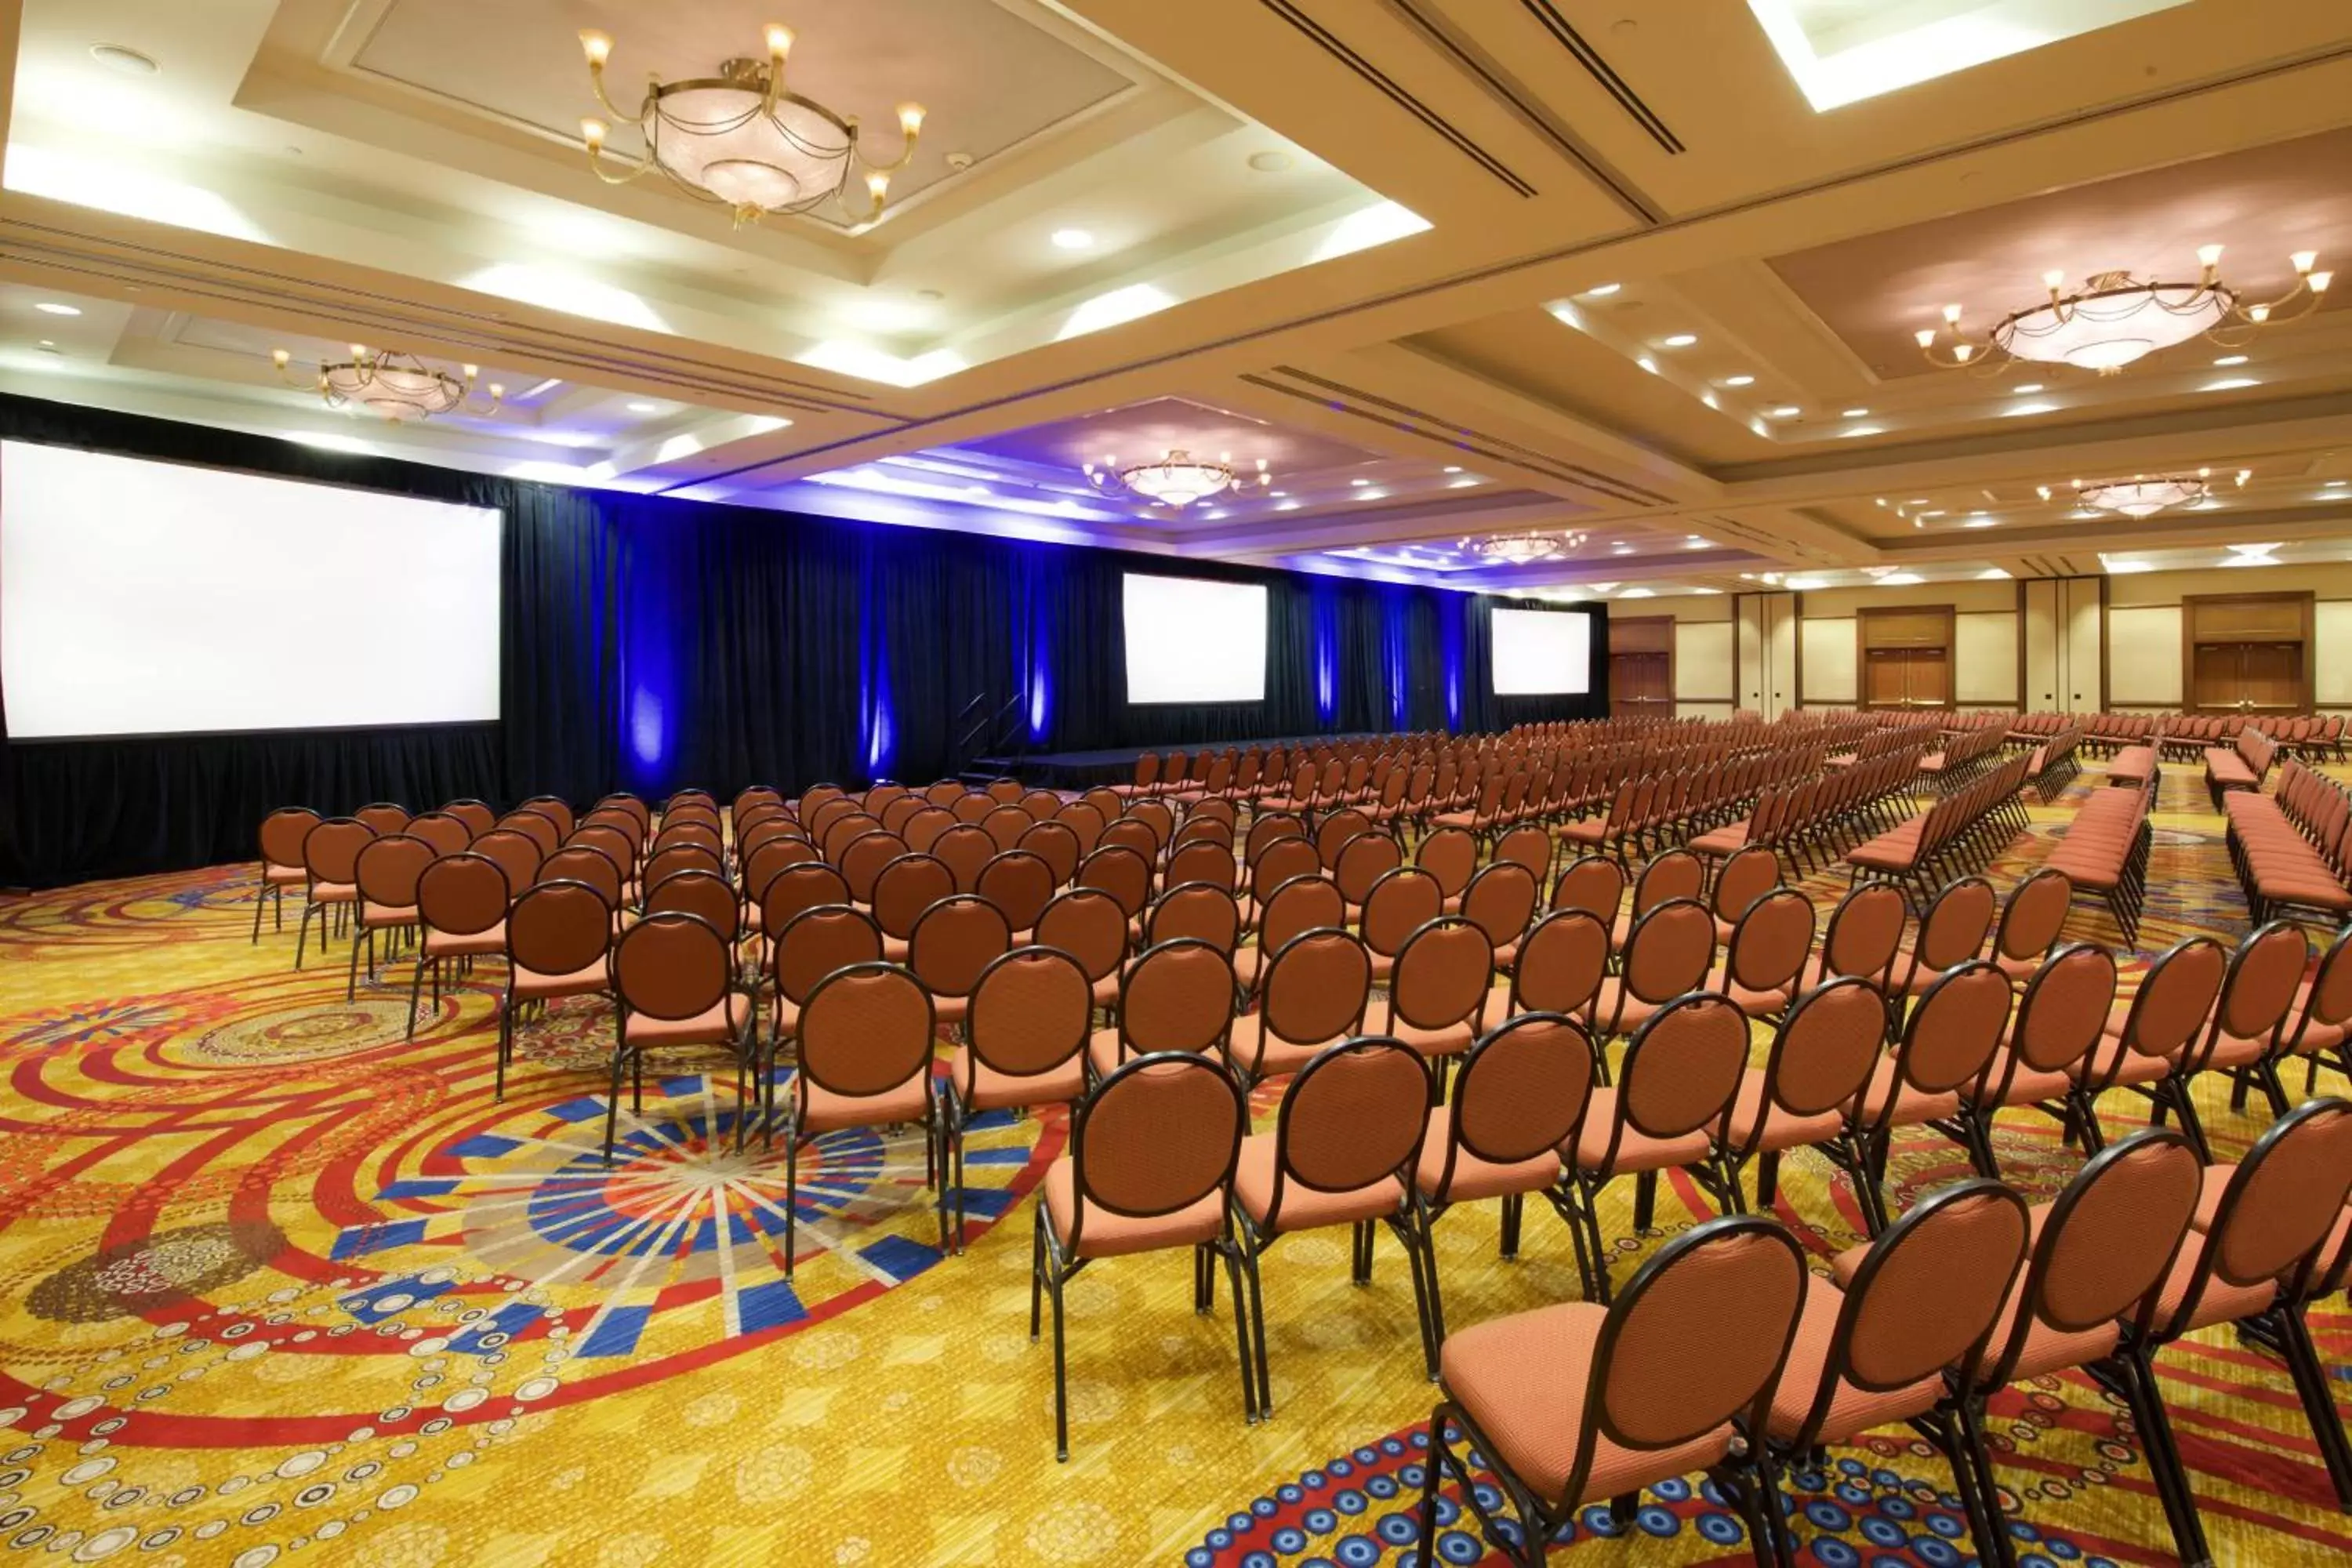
pixel 1079 770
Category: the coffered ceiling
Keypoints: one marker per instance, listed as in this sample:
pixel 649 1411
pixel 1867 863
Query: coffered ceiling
pixel 1450 268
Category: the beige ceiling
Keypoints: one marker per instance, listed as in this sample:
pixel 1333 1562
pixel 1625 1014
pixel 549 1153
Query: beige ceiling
pixel 1437 246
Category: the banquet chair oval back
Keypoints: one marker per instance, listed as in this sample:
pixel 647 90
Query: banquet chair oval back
pixel 2100 1254
pixel 922 830
pixel 1131 833
pixel 1158 818
pixel 1151 1166
pixel 903 889
pixel 808 946
pixel 1593 883
pixel 2144 1041
pixel 445 833
pixel 1670 1109
pixel 1089 924
pixel 554 808
pixel 1087 820
pixel 1529 845
pixel 1041 804
pixel 385 818
pixel 681 857
pixel 2061 1018
pixel 627 823
pixel 1121 871
pixel 385 871
pixel 516 854
pixel 1005 824
pixel 539 827
pixel 1198 909
pixel 2032 918
pixel 1766 956
pixel 1177 997
pixel 1746 877
pixel 1055 844
pixel 1955 929
pixel 1450 855
pixel 1203 861
pixel 1313 995
pixel 1334 830
pixel 702 893
pixel 2323 1022
pixel 607 839
pixel 1949 1044
pixel 558 936
pixel 1864 938
pixel 862 861
pixel 899 810
pixel 1823 1057
pixel 1501 901
pixel 673 975
pixel 2258 997
pixel 693 830
pixel 1341 1152
pixel 965 849
pixel 583 863
pixel 1928 1295
pixel 461 906
pixel 476 815
pixel 281 835
pixel 1023 1032
pixel 1267 827
pixel 1401 902
pixel 954 940
pixel 1439 989
pixel 1669 875
pixel 844 831
pixel 1562 962
pixel 1576 1402
pixel 1519 1098
pixel 330 853
pixel 865 1037
pixel 1669 952
pixel 1283 861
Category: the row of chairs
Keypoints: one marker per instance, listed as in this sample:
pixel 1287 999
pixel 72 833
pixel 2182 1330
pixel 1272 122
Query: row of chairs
pixel 2243 765
pixel 1724 1355
pixel 2106 850
pixel 1965 753
pixel 2289 848
pixel 1965 829
pixel 1813 822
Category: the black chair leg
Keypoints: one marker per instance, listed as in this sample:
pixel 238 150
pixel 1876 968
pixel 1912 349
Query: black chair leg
pixel 2316 1390
pixel 2165 1464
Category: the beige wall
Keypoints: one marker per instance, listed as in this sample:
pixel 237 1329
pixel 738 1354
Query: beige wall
pixel 2071 635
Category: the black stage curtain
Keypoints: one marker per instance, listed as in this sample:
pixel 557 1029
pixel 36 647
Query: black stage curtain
pixel 650 643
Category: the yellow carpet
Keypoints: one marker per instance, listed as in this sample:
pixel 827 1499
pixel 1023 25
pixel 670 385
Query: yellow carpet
pixel 278 1283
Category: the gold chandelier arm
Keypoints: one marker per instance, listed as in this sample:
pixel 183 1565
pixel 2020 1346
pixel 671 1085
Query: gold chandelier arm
pixel 910 127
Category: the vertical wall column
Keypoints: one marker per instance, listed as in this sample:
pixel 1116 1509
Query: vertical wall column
pixel 1765 632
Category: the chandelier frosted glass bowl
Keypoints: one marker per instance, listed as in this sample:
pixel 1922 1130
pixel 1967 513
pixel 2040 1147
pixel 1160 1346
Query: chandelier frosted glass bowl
pixel 396 387
pixel 2116 319
pixel 1522 549
pixel 2145 495
pixel 742 140
pixel 1176 478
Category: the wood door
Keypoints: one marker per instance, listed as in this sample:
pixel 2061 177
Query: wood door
pixel 2247 653
pixel 1907 677
pixel 1640 685
pixel 2248 677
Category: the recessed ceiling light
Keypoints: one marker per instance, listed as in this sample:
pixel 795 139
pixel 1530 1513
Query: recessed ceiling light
pixel 1787 411
pixel 1073 240
pixel 124 58
pixel 2335 484
pixel 2231 385
pixel 1286 506
pixel 1981 523
pixel 2028 386
pixel 1272 162
pixel 2227 360
pixel 1854 414
pixel 1466 481
pixel 645 409
pixel 2016 409
pixel 1602 292
pixel 1862 430
pixel 1452 468
pixel 1739 380
pixel 52 307
pixel 1359 483
pixel 1679 341
pixel 1637 594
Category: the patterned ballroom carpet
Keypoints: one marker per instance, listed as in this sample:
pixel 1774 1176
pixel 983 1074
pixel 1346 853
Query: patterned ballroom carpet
pixel 280 1285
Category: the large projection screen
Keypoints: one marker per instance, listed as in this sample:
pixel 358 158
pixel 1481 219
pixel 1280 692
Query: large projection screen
pixel 1189 641
pixel 1542 653
pixel 146 598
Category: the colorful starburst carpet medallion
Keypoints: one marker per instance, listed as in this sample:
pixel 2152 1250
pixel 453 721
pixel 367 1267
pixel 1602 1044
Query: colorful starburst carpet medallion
pixel 282 1282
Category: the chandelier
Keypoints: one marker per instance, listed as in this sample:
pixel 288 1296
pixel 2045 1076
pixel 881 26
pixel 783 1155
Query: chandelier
pixel 400 388
pixel 1176 479
pixel 2115 317
pixel 2145 495
pixel 741 139
pixel 1523 549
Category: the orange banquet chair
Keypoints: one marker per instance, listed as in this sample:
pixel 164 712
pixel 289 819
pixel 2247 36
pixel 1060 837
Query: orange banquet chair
pixel 1519 1098
pixel 673 975
pixel 330 853
pixel 2144 1039
pixel 1439 990
pixel 1311 997
pixel 385 872
pixel 1574 1404
pixel 1668 1111
pixel 1150 1167
pixel 1178 996
pixel 1024 1034
pixel 1927 1296
pixel 282 832
pixel 1822 1060
pixel 461 902
pixel 1343 1152
pixel 866 1038
pixel 558 935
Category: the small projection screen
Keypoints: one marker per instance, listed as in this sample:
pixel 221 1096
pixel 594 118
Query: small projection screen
pixel 1542 653
pixel 147 598
pixel 1189 641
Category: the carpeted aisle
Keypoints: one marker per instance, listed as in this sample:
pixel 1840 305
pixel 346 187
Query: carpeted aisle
pixel 278 1284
